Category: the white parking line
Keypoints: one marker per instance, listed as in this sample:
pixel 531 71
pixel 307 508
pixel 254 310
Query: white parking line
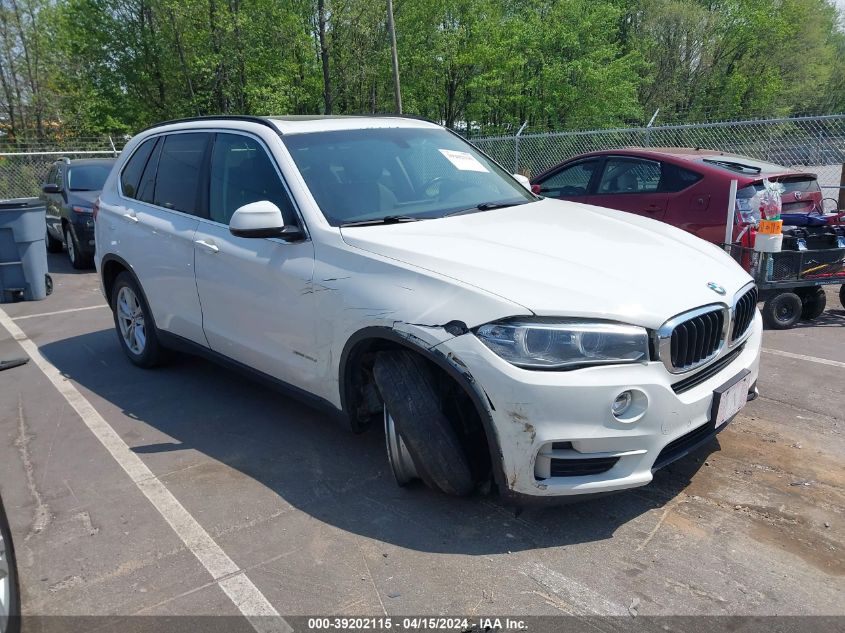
pixel 46 314
pixel 231 579
pixel 812 359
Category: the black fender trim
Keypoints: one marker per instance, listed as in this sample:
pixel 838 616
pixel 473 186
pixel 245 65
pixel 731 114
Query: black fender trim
pixel 111 257
pixel 477 395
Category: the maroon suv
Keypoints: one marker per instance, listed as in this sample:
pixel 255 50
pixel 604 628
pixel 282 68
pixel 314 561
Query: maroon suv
pixel 688 188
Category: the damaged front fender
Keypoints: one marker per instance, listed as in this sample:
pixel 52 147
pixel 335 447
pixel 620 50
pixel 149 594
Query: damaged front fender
pixel 424 340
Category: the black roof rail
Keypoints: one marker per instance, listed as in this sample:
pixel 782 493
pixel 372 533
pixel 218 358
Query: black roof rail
pixel 215 117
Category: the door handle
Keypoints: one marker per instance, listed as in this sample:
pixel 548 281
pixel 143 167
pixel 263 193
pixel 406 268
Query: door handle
pixel 211 247
pixel 131 216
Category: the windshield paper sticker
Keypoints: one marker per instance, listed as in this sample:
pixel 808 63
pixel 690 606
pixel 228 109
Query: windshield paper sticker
pixel 463 160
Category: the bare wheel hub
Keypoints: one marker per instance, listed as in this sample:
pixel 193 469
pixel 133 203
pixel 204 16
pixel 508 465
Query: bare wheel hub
pixel 397 453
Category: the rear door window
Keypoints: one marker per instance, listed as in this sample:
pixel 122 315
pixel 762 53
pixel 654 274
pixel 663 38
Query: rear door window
pixel 179 180
pixel 629 175
pixel 130 177
pixel 570 181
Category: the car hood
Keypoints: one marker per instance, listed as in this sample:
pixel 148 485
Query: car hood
pixel 83 198
pixel 560 258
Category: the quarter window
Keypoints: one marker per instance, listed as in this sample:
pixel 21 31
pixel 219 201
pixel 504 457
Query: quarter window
pixel 627 175
pixel 677 178
pixel 146 188
pixel 570 181
pixel 131 175
pixel 178 177
pixel 241 173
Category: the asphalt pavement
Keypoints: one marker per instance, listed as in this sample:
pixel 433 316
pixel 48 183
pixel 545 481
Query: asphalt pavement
pixel 191 490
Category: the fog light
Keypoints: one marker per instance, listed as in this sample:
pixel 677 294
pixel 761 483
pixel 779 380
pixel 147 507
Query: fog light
pixel 622 403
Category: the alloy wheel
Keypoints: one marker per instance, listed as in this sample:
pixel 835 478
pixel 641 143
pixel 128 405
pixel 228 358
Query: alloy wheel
pixel 130 317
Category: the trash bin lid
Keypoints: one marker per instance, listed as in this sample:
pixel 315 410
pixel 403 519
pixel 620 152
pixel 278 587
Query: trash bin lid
pixel 16 204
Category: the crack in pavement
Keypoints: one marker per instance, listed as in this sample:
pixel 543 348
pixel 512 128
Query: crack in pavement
pixel 42 515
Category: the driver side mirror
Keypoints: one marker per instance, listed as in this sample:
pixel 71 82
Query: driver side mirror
pixel 263 219
pixel 51 187
pixel 523 180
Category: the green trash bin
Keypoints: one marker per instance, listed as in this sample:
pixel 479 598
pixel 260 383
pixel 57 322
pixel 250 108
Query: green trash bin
pixel 23 252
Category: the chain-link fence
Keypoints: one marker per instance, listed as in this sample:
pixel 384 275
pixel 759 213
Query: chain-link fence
pixel 814 144
pixel 22 174
pixel 24 164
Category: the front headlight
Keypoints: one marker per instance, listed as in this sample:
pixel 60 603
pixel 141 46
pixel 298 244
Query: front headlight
pixel 565 344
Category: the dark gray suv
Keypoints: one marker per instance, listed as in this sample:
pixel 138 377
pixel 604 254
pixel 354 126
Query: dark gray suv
pixel 71 188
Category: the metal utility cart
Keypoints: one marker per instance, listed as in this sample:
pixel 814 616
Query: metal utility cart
pixel 791 282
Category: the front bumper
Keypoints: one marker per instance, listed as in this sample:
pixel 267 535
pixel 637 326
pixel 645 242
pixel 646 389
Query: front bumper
pixel 532 410
pixel 83 228
pixel 54 227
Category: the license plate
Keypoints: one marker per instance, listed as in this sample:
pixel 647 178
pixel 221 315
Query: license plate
pixel 730 398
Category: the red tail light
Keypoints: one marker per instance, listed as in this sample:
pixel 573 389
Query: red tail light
pixel 96 208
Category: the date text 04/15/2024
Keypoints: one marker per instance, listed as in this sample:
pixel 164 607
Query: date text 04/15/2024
pixel 414 623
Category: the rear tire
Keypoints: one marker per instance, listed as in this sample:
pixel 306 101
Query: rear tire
pixel 408 389
pixel 813 302
pixel 134 323
pixel 54 245
pixel 782 311
pixel 842 295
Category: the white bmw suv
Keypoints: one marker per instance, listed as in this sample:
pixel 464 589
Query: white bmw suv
pixel 386 269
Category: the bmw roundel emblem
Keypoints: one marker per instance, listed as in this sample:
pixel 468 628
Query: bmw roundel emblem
pixel 716 288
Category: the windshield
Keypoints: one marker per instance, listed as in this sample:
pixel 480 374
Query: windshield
pixel 409 173
pixel 87 177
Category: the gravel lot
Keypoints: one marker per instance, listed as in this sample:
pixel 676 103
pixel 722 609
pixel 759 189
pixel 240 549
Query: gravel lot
pixel 309 515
